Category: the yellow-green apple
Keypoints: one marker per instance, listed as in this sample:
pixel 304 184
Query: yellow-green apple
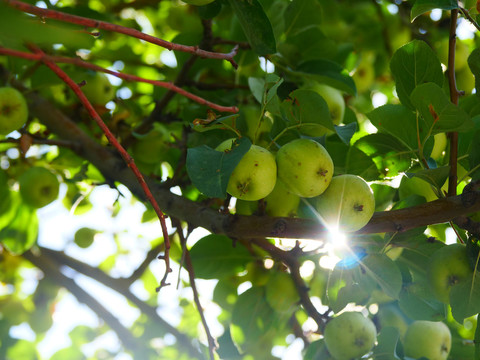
pixel 336 106
pixel 305 167
pixel 364 74
pixel 439 145
pixel 428 339
pixel 255 175
pixel 84 237
pixel 13 110
pixel 347 204
pixel 150 148
pixel 350 335
pixel 38 186
pixel 281 201
pixel 97 88
pixel 448 266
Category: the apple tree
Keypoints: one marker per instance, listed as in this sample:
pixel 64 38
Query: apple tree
pixel 310 170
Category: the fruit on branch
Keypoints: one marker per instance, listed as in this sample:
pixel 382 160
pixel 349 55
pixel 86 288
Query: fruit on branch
pixel 255 175
pixel 281 293
pixel 350 335
pixel 198 2
pixel 305 167
pixel 38 186
pixel 364 74
pixel 428 339
pixel 281 201
pixel 151 148
pixel 84 237
pixel 440 144
pixel 13 110
pixel 98 88
pixel 448 266
pixel 336 106
pixel 348 203
pixel 461 53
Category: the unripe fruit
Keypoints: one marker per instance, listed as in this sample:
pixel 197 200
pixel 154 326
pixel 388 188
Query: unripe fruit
pixel 348 203
pixel 13 110
pixel 38 187
pixel 350 335
pixel 305 167
pixel 428 339
pixel 98 88
pixel 281 201
pixel 84 237
pixel 255 175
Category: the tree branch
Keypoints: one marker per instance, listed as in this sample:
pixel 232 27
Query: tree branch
pixel 97 24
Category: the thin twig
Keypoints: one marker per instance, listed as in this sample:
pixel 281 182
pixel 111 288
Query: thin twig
pixel 125 155
pixel 97 24
pixel 469 18
pixel 212 344
pixel 127 77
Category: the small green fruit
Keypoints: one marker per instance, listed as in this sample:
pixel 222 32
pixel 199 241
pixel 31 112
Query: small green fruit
pixel 150 148
pixel 364 75
pixel 255 175
pixel 439 146
pixel 348 203
pixel 428 339
pixel 84 237
pixel 98 88
pixel 448 266
pixel 38 187
pixel 281 201
pixel 305 167
pixel 13 110
pixel 350 335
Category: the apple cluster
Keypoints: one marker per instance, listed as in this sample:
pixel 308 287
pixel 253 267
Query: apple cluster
pixel 301 169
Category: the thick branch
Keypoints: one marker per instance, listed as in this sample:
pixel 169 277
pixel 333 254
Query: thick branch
pixel 237 226
pixel 97 24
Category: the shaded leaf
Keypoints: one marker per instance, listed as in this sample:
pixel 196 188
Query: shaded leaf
pixel 422 6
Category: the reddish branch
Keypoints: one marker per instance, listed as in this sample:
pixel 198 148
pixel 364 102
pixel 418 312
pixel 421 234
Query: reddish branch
pixel 97 24
pixel 125 155
pixel 126 77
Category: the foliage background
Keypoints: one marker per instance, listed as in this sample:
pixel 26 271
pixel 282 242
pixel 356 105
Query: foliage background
pixel 279 46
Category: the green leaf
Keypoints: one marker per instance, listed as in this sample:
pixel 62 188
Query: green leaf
pixel 302 14
pixel 422 6
pixel 413 64
pixel 474 65
pixel 307 107
pixel 215 256
pixel 21 234
pixel 387 344
pixel 438 112
pixel 330 73
pixel 465 298
pixel 210 170
pixel 346 132
pixel 351 293
pixel 385 272
pixel 398 121
pixel 436 177
pixel 255 25
pixel 416 302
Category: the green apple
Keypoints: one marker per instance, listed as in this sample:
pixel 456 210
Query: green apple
pixel 350 335
pixel 439 146
pixel 364 74
pixel 198 2
pixel 84 237
pixel 13 110
pixel 305 167
pixel 390 315
pixel 281 201
pixel 428 339
pixel 38 186
pixel 150 148
pixel 255 175
pixel 336 106
pixel 348 203
pixel 98 88
pixel 461 53
pixel 281 293
pixel 448 266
